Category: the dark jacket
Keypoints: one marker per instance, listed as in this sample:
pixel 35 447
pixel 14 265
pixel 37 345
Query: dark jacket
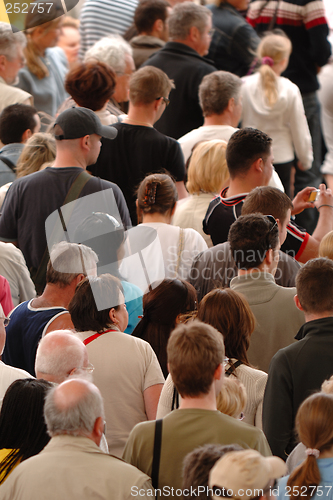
pixel 234 41
pixel 294 374
pixel 186 68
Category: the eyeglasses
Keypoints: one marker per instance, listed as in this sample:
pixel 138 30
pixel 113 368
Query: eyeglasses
pixel 225 361
pixel 274 224
pixel 5 321
pixel 165 99
pixel 89 368
pixel 211 32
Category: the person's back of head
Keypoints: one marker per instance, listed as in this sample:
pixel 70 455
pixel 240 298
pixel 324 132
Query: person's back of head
pixel 91 84
pixel 157 193
pixel 39 150
pixel 111 50
pixel 148 12
pixel 317 436
pixel 314 285
pixel 68 261
pixel 184 16
pixel 251 237
pixel 230 313
pixel 216 90
pixel 245 475
pixel 22 426
pixel 326 246
pixel 147 85
pixel 245 146
pixel 75 408
pixel 17 123
pixel 158 320
pixel 207 171
pixel 10 46
pixel 274 49
pixel 195 350
pixel 59 355
pixel 267 200
pixel 197 465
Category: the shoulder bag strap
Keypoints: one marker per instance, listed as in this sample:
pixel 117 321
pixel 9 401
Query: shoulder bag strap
pixel 8 162
pixel 232 368
pixel 157 453
pixel 73 193
pixel 175 399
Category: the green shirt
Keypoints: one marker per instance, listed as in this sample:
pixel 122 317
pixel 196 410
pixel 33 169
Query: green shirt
pixel 183 431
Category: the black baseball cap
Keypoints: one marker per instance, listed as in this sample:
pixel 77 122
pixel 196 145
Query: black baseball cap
pixel 78 122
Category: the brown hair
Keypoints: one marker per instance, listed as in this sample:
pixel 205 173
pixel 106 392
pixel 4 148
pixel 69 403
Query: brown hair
pixel 195 351
pixel 326 246
pixel 147 84
pixel 267 201
pixel 39 149
pixel 157 193
pixel 230 313
pixel 207 171
pixel 148 12
pixel 312 425
pixel 314 285
pixel 91 84
pixel 83 308
pixel 161 306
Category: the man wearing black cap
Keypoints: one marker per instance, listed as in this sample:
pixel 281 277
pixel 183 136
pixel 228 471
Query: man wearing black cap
pixel 32 199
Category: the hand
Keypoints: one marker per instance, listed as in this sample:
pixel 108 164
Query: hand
pixel 301 202
pixel 325 197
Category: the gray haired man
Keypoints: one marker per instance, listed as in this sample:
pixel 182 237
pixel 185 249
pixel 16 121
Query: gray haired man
pixel 72 465
pixel 11 61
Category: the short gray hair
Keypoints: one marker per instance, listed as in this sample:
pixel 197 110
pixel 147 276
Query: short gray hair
pixel 215 91
pixel 68 260
pixel 9 41
pixel 58 353
pixel 184 16
pixel 111 50
pixel 76 419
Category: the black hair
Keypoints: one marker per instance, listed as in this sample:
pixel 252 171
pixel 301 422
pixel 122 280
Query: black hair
pixel 15 120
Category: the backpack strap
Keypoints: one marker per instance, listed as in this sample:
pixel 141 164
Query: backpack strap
pixel 157 453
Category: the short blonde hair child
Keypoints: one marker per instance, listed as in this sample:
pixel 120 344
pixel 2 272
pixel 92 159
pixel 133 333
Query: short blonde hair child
pixel 232 398
pixel 326 246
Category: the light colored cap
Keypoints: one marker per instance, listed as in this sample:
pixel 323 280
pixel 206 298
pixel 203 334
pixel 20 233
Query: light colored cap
pixel 243 473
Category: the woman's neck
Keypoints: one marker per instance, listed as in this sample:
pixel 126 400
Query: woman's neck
pixel 156 217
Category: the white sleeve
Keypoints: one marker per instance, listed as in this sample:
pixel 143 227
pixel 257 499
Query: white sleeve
pixel 299 130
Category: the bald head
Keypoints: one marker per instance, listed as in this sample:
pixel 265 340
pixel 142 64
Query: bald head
pixel 59 354
pixel 75 407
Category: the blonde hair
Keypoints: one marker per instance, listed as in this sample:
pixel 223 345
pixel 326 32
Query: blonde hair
pixel 231 400
pixel 326 246
pixel 70 22
pixel 327 386
pixel 35 63
pixel 273 48
pixel 207 171
pixel 38 150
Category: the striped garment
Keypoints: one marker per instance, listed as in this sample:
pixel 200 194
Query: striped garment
pixel 304 22
pixel 101 18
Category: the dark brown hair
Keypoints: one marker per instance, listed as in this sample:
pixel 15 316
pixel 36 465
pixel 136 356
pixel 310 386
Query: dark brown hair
pixel 314 430
pixel 314 285
pixel 157 193
pixel 83 309
pixel 230 313
pixel 149 11
pixel 267 200
pixel 91 84
pixel 195 350
pixel 161 306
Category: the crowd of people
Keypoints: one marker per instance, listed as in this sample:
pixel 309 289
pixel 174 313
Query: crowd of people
pixel 166 250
